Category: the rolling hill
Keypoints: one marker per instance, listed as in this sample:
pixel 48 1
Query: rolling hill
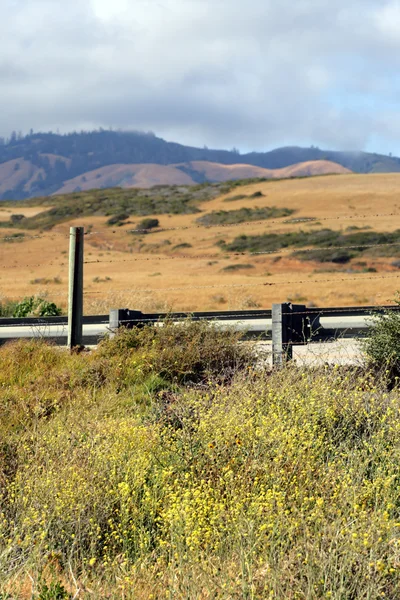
pixel 47 163
pixel 327 240
pixel 149 175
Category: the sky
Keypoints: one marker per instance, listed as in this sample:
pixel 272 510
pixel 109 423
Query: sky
pixel 249 74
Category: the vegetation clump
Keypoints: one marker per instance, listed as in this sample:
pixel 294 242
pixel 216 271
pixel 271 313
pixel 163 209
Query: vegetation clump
pixel 116 203
pixel 382 345
pixel 224 217
pixel 33 306
pixel 147 224
pixel 238 267
pixel 118 219
pixel 190 351
pixel 182 246
pixel 355 244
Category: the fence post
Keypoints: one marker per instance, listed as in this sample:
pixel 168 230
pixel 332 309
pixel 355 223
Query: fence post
pixel 75 297
pixel 123 317
pixel 282 350
pixel 288 329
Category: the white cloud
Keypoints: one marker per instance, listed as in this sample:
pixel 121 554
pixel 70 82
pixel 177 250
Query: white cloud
pixel 226 73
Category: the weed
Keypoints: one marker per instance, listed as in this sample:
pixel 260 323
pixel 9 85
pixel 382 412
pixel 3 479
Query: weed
pixel 53 591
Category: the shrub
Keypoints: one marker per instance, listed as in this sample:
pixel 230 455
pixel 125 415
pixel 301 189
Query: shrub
pixel 188 351
pixel 229 217
pixel 382 346
pixel 238 267
pixel 182 246
pixel 361 242
pixel 38 307
pixel 53 591
pixel 118 219
pixel 147 224
pixel 234 198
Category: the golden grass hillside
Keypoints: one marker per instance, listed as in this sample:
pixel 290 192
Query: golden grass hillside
pixel 134 472
pixel 184 265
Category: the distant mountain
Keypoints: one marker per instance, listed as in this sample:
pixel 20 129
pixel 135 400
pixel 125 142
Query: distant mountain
pixel 45 163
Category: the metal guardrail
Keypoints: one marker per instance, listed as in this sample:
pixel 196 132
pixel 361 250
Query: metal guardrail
pixel 287 325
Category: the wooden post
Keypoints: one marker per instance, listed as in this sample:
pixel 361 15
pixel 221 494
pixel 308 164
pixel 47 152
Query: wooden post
pixel 75 298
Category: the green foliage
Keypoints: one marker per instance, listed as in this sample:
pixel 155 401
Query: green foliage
pixel 118 219
pixel 223 217
pixel 189 351
pixel 53 591
pixel 235 198
pixel 382 346
pixel 238 267
pixel 324 237
pixel 117 202
pixel 39 307
pixel 148 224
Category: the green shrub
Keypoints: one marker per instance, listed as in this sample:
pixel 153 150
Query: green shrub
pixel 38 307
pixel 361 242
pixel 188 351
pixel 54 591
pixel 118 219
pixel 238 267
pixel 229 217
pixel 382 346
pixel 236 197
pixel 147 224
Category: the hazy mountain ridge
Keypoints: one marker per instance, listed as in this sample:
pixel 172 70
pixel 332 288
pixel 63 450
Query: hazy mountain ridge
pixel 44 163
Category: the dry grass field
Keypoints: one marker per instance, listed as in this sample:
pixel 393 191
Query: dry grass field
pixel 183 268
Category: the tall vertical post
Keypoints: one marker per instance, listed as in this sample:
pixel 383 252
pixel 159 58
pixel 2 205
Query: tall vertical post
pixel 75 298
pixel 282 348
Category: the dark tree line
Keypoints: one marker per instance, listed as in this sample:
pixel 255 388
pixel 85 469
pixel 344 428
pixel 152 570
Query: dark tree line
pixel 88 150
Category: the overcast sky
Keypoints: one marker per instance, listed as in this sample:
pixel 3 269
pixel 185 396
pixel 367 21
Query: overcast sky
pixel 254 74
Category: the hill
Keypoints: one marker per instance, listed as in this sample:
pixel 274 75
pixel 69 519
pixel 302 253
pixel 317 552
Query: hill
pixel 43 163
pixel 327 240
pixel 149 175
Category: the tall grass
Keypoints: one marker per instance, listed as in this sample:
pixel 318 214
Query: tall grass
pixel 137 471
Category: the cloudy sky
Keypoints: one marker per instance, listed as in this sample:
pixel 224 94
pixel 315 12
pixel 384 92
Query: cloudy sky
pixel 254 74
